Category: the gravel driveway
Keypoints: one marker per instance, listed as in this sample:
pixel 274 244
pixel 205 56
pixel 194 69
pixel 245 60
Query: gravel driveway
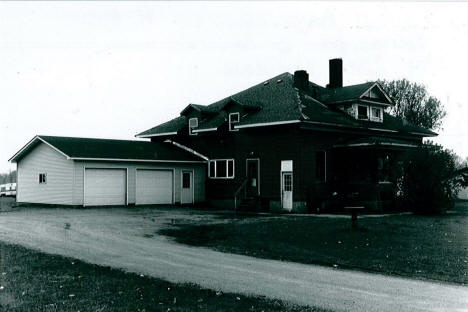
pixel 125 238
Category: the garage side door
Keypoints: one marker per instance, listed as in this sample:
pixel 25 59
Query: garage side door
pixel 153 187
pixel 105 187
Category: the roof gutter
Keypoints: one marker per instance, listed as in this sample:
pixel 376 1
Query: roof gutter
pixel 136 160
pixel 188 149
pixel 155 134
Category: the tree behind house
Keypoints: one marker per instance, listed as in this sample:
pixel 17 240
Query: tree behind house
pixel 413 103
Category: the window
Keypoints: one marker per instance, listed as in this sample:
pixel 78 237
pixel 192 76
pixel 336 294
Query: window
pixel 186 180
pixel 320 166
pixel 234 118
pixel 376 114
pixel 221 169
pixel 42 178
pixel 287 182
pixel 193 123
pixel 362 112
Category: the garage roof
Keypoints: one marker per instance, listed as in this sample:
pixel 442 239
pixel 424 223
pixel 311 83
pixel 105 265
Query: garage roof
pixel 105 149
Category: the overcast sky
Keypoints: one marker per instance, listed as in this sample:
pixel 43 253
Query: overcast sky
pixel 113 69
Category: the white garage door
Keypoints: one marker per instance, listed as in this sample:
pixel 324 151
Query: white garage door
pixel 105 187
pixel 153 187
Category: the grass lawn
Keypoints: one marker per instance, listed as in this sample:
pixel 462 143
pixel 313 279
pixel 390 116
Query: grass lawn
pixel 422 247
pixel 34 281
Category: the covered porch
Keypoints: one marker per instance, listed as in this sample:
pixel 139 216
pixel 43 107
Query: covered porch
pixel 365 172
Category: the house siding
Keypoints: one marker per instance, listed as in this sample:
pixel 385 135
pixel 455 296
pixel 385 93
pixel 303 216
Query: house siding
pixel 59 170
pixel 199 178
pixel 271 145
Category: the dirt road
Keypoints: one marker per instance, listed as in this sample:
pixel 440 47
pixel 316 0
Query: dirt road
pixel 125 238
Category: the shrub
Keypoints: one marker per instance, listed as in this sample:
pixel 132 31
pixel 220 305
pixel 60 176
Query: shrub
pixel 431 179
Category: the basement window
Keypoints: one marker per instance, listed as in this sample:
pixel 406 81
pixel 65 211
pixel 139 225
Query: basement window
pixel 221 169
pixel 234 119
pixel 193 124
pixel 362 112
pixel 42 178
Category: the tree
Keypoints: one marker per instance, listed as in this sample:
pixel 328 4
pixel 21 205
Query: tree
pixel 432 177
pixel 413 103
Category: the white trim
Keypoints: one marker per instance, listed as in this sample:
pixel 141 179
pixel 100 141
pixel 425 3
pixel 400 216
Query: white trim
pixel 376 119
pixel 101 167
pixel 155 135
pixel 424 134
pixel 376 84
pixel 384 130
pixel 227 169
pixel 37 137
pixel 375 144
pixel 292 188
pixel 233 123
pixel 192 183
pixel 188 149
pixel 258 171
pixel 137 160
pixel 205 130
pixel 160 169
pixel 357 111
pixel 263 124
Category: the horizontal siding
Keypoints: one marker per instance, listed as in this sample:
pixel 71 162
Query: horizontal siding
pixel 199 177
pixel 59 170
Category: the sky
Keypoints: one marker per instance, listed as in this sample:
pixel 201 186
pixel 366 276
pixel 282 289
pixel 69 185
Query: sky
pixel 114 69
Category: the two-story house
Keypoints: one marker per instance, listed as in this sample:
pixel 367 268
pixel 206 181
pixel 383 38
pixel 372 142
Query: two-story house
pixel 284 144
pixel 288 143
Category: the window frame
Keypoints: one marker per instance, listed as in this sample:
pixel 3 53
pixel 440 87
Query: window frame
pixel 231 123
pixel 227 160
pixel 378 119
pixel 191 128
pixel 44 178
pixel 357 112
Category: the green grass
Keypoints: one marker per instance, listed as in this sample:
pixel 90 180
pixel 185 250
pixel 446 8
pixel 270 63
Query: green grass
pixel 423 247
pixel 34 281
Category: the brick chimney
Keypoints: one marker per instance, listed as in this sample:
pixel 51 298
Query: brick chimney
pixel 336 73
pixel 301 79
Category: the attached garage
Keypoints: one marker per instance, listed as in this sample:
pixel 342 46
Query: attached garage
pixel 103 187
pixel 99 172
pixel 154 186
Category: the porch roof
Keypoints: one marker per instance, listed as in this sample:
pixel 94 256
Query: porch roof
pixel 377 141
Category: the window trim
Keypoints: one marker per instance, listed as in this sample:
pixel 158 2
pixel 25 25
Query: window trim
pixel 44 174
pixel 227 160
pixel 357 112
pixel 233 124
pixel 378 119
pixel 191 128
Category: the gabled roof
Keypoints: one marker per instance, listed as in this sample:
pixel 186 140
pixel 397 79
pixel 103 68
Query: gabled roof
pixel 277 101
pixel 105 149
pixel 197 107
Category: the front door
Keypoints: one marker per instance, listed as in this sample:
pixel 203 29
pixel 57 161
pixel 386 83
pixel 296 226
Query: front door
pixel 186 194
pixel 287 190
pixel 253 177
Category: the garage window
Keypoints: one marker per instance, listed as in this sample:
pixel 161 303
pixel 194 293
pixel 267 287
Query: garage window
pixel 42 178
pixel 221 169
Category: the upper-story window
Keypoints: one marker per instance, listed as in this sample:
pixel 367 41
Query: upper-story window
pixel 362 112
pixel 234 119
pixel 42 178
pixel 376 114
pixel 193 124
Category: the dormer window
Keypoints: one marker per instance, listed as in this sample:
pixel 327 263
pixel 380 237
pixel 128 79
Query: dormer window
pixel 193 124
pixel 234 119
pixel 376 114
pixel 362 112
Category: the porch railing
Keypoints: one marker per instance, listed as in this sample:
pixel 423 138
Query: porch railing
pixel 240 193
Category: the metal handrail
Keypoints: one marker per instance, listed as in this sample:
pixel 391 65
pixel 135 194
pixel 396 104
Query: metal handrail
pixel 238 191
